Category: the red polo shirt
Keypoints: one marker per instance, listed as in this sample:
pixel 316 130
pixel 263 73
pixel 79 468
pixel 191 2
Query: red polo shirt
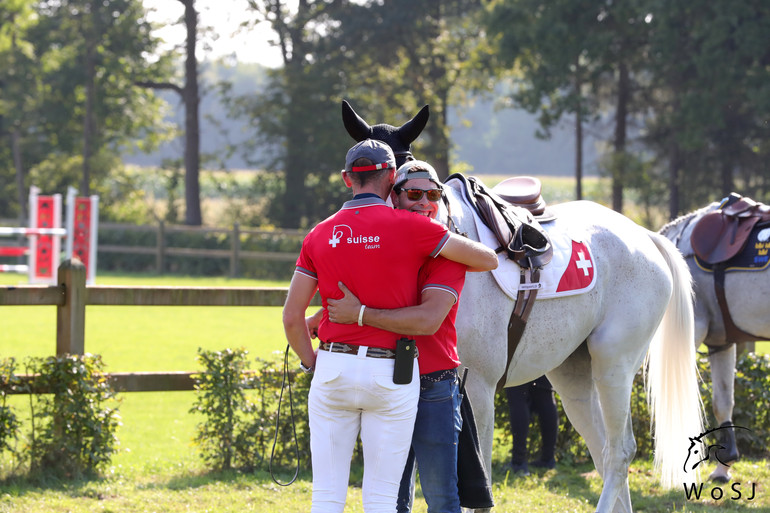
pixel 439 351
pixel 376 252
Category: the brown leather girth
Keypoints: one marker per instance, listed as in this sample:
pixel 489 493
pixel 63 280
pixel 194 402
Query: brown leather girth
pixel 518 321
pixel 733 334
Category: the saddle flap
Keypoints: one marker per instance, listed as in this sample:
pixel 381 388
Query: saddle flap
pixel 494 220
pixel 717 238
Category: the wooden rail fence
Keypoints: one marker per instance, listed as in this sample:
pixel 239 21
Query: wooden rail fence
pixel 71 296
pixel 161 250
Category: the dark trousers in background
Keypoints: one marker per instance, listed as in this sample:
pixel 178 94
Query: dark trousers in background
pixel 535 397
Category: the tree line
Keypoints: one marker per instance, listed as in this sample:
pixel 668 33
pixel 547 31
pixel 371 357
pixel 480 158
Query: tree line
pixel 681 86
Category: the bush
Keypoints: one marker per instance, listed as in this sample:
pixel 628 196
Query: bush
pixel 752 404
pixel 220 395
pixel 273 384
pixel 9 423
pixel 73 431
pixel 241 408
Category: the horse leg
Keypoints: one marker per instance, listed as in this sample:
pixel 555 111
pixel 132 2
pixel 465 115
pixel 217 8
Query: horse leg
pixel 722 389
pixel 620 447
pixel 483 347
pixel 573 381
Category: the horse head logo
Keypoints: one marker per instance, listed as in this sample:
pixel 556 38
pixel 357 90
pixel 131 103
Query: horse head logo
pixel 698 452
pixel 724 451
pixel 398 138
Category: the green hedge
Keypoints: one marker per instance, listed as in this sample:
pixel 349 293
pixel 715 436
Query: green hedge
pixel 239 413
pixel 200 266
pixel 752 410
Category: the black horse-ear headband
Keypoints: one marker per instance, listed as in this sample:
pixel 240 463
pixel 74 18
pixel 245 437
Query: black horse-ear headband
pixel 398 138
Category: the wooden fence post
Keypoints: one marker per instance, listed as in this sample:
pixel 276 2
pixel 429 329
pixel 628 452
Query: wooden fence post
pixel 236 247
pixel 71 316
pixel 160 256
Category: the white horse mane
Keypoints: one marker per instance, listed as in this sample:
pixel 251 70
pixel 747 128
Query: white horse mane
pixel 674 230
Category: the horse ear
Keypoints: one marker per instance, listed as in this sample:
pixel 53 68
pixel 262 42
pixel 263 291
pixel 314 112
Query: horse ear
pixel 410 130
pixel 354 124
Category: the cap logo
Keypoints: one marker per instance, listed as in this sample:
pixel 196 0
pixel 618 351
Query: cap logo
pixel 356 169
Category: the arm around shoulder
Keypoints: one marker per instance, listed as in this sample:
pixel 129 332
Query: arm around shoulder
pixel 422 319
pixel 476 256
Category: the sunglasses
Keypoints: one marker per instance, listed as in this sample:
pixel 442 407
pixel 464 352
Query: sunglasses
pixel 416 194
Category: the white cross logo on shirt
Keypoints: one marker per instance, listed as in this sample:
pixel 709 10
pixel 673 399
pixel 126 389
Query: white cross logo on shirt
pixel 582 263
pixel 337 234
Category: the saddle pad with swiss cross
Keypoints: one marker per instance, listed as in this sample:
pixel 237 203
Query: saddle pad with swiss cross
pixel 570 272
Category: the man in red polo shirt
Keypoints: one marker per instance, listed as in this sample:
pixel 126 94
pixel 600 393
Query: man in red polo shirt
pixel 377 252
pixel 434 444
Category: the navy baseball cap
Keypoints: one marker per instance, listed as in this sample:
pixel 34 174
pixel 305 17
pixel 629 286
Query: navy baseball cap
pixel 378 152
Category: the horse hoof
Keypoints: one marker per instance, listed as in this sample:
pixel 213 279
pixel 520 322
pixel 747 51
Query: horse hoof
pixel 720 479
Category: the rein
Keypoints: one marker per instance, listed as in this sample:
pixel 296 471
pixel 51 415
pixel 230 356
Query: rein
pixel 284 382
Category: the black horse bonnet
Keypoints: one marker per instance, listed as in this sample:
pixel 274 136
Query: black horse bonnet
pixel 398 138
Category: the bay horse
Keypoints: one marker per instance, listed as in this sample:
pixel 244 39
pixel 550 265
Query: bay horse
pixel 748 311
pixel 590 345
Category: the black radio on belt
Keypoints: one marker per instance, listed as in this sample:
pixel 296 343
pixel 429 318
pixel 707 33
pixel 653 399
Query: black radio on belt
pixel 404 363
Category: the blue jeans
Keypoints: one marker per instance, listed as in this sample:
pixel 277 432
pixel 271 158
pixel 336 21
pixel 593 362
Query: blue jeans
pixel 434 447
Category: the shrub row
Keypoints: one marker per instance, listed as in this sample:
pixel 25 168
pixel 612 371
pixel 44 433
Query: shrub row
pixel 240 414
pixel 254 437
pixel 73 427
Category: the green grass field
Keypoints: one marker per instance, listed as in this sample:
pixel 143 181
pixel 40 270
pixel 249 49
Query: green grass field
pixel 134 338
pixel 158 468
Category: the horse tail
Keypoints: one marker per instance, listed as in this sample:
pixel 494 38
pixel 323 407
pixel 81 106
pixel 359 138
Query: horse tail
pixel 671 375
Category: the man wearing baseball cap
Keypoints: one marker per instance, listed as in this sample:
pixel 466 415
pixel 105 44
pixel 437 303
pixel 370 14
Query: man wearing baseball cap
pixel 438 423
pixel 377 252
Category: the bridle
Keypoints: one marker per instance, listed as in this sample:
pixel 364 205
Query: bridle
pixel 406 155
